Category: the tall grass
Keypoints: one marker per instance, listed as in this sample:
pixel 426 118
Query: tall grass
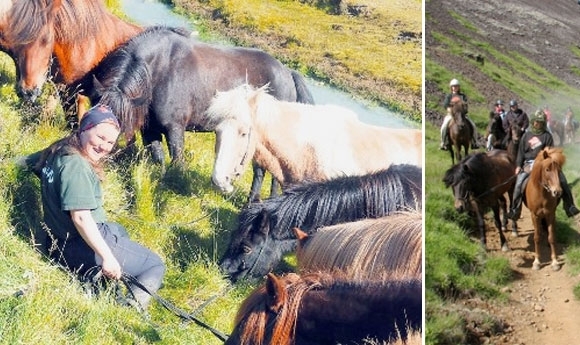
pixel 177 214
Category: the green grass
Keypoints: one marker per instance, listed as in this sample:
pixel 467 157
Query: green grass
pixel 345 51
pixel 177 214
pixel 456 265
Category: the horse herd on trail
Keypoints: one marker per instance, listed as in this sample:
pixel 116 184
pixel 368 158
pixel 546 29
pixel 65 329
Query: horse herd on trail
pixel 352 193
pixel 480 181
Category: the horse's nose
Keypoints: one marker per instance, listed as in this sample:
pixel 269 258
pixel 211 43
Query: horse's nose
pixel 29 95
pixel 557 193
pixel 459 208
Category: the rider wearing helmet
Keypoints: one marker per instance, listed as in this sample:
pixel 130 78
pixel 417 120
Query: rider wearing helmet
pixel 532 142
pixel 517 115
pixel 498 111
pixel 455 91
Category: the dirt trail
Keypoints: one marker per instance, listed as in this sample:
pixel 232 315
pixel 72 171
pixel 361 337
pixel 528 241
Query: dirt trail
pixel 541 309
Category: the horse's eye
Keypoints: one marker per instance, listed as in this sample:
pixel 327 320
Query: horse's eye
pixel 246 249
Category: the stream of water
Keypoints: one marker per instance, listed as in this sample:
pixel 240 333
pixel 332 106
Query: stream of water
pixel 152 12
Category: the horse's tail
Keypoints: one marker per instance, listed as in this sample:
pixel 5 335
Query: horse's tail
pixel 127 89
pixel 303 95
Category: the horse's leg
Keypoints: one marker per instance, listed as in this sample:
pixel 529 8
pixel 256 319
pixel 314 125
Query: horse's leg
pixel 537 232
pixel 503 212
pixel 175 141
pixel 257 181
pixel 481 227
pixel 152 140
pixel 452 154
pixel 551 220
pixel 496 218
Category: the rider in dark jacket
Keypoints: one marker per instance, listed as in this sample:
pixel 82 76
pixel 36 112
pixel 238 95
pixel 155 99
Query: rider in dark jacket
pixel 532 142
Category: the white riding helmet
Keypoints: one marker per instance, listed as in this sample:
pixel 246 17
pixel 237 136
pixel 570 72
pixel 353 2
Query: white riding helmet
pixel 454 82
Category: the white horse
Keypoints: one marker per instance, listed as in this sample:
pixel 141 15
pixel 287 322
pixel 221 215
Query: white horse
pixel 298 142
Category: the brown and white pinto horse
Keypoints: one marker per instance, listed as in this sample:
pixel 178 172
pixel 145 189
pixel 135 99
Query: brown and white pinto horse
pixel 542 195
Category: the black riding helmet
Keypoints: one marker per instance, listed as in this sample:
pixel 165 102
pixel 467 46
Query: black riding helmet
pixel 499 102
pixel 513 102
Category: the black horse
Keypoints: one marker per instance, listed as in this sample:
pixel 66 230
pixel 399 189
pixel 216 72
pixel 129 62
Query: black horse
pixel 479 182
pixel 265 230
pixel 161 82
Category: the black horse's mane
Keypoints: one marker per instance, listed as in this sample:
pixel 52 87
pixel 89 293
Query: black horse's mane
pixel 314 204
pixel 472 170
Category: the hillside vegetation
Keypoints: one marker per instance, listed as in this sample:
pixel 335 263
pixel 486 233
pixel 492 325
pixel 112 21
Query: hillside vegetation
pixel 506 50
pixel 370 48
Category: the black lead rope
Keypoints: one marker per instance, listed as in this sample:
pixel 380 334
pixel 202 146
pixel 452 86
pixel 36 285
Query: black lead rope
pixel 129 279
pixel 496 187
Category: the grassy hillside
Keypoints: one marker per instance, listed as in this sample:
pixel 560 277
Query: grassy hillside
pixel 178 215
pixel 376 54
pixel 456 266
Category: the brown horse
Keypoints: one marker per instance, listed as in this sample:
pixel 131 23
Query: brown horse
pixel 513 140
pixel 459 130
pixel 321 308
pixel 479 182
pixel 26 36
pixel 80 33
pixel 542 194
pixel 380 248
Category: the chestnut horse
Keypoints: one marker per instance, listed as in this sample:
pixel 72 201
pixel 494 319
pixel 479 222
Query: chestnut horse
pixel 320 308
pixel 26 35
pixel 459 130
pixel 80 33
pixel 367 249
pixel 298 142
pixel 542 195
pixel 479 182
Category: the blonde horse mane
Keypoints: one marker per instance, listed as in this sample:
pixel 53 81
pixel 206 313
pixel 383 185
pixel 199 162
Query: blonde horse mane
pixel 370 249
pixel 553 154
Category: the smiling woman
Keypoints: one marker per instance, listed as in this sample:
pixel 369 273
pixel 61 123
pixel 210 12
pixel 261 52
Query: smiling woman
pixel 79 235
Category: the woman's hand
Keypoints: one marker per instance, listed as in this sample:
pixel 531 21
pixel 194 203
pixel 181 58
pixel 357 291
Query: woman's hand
pixel 518 169
pixel 111 268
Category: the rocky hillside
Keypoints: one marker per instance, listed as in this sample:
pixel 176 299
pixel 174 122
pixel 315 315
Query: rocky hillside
pixel 492 44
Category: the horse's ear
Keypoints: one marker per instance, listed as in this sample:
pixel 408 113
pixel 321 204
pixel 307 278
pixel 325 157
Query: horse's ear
pixel 264 222
pixel 300 235
pixel 545 153
pixel 99 88
pixel 276 293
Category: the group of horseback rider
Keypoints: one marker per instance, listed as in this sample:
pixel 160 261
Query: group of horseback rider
pixel 534 139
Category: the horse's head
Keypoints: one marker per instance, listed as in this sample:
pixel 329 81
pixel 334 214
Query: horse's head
pixel 253 251
pixel 516 132
pixel 267 315
pixel 29 34
pixel 230 116
pixel 458 110
pixel 458 177
pixel 546 170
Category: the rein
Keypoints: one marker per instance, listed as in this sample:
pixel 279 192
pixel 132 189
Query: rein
pixel 129 279
pixel 491 190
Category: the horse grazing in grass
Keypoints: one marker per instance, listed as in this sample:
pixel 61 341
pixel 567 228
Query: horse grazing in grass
pixel 79 33
pixel 459 130
pixel 25 38
pixel 265 231
pixel 147 90
pixel 298 142
pixel 320 308
pixel 479 182
pixel 367 249
pixel 542 195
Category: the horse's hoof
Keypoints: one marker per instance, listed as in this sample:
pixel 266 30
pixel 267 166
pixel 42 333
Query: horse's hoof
pixel 505 248
pixel 503 228
pixel 555 266
pixel 514 234
pixel 536 266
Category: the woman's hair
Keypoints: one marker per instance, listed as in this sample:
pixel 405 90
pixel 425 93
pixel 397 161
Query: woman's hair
pixel 69 145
